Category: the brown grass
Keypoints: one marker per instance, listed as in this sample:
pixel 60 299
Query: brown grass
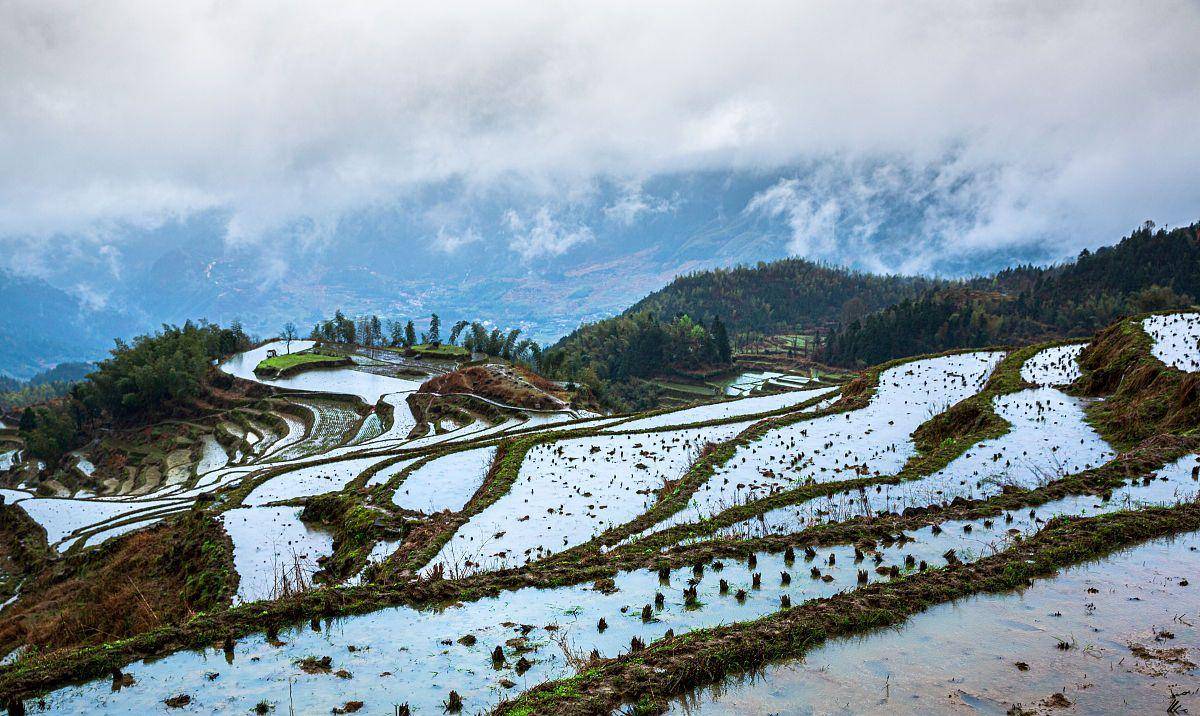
pixel 1144 396
pixel 481 380
pixel 137 583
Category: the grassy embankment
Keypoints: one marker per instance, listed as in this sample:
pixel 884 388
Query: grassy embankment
pixel 290 363
pixel 443 351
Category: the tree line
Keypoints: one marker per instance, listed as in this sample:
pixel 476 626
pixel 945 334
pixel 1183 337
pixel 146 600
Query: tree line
pixel 46 385
pixel 780 296
pixel 612 355
pixel 1148 270
pixel 150 377
pixel 369 331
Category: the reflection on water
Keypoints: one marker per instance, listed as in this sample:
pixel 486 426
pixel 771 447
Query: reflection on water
pixel 368 386
pixel 400 654
pixel 746 383
pixel 1049 438
pixel 1128 625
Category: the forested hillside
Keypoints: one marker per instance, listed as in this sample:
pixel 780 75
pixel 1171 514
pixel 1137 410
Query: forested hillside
pixel 861 319
pixel 779 296
pixel 141 381
pixel 1148 270
pixel 610 354
pixel 687 328
pixel 47 385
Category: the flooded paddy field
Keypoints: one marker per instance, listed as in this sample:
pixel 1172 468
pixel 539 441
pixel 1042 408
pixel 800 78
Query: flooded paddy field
pixel 544 627
pixel 479 551
pixel 417 656
pixel 1115 636
pixel 874 440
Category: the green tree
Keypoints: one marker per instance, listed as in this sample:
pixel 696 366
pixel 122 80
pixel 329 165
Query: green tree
pixel 376 331
pixel 721 337
pixel 343 329
pixel 51 433
pixel 396 333
pixel 510 342
pixel 410 335
pixel 457 330
pixel 435 328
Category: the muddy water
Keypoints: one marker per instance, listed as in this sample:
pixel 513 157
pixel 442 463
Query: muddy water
pixel 964 657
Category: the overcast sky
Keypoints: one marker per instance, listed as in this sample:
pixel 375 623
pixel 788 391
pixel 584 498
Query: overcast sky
pixel 1028 119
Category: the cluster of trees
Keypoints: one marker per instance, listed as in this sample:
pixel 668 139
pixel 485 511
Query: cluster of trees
pixel 1148 270
pixel 610 354
pixel 370 331
pixel 25 394
pixel 365 330
pixel 474 336
pixel 152 376
pixel 505 344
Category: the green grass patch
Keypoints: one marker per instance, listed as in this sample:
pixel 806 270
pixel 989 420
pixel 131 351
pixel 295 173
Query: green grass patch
pixel 289 361
pixel 443 350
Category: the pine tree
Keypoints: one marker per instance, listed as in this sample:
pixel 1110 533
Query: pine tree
pixel 376 331
pixel 435 328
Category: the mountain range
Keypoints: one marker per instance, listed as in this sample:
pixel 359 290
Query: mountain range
pixel 512 261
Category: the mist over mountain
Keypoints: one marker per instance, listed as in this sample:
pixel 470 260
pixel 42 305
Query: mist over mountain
pixel 539 168
pixel 42 326
pixel 540 269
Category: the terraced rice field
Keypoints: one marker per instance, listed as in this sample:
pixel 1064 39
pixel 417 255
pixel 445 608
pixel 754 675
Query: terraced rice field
pixel 1176 339
pixel 622 560
pixel 1041 649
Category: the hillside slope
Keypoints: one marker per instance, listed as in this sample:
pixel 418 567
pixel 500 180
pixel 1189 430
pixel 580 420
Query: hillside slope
pixel 1148 270
pixel 779 296
pixel 861 319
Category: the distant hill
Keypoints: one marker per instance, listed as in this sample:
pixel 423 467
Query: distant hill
pixel 779 296
pixel 683 328
pixel 41 326
pixel 864 319
pixel 1148 270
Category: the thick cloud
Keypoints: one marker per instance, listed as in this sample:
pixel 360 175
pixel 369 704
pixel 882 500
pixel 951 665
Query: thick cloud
pixel 1018 121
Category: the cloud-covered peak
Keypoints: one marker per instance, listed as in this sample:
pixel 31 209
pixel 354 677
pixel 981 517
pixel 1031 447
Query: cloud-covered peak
pixel 1034 118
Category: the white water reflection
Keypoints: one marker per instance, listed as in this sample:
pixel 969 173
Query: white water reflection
pixel 404 655
pixel 873 441
pixel 1176 339
pixel 368 386
pixel 994 653
pixel 269 545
